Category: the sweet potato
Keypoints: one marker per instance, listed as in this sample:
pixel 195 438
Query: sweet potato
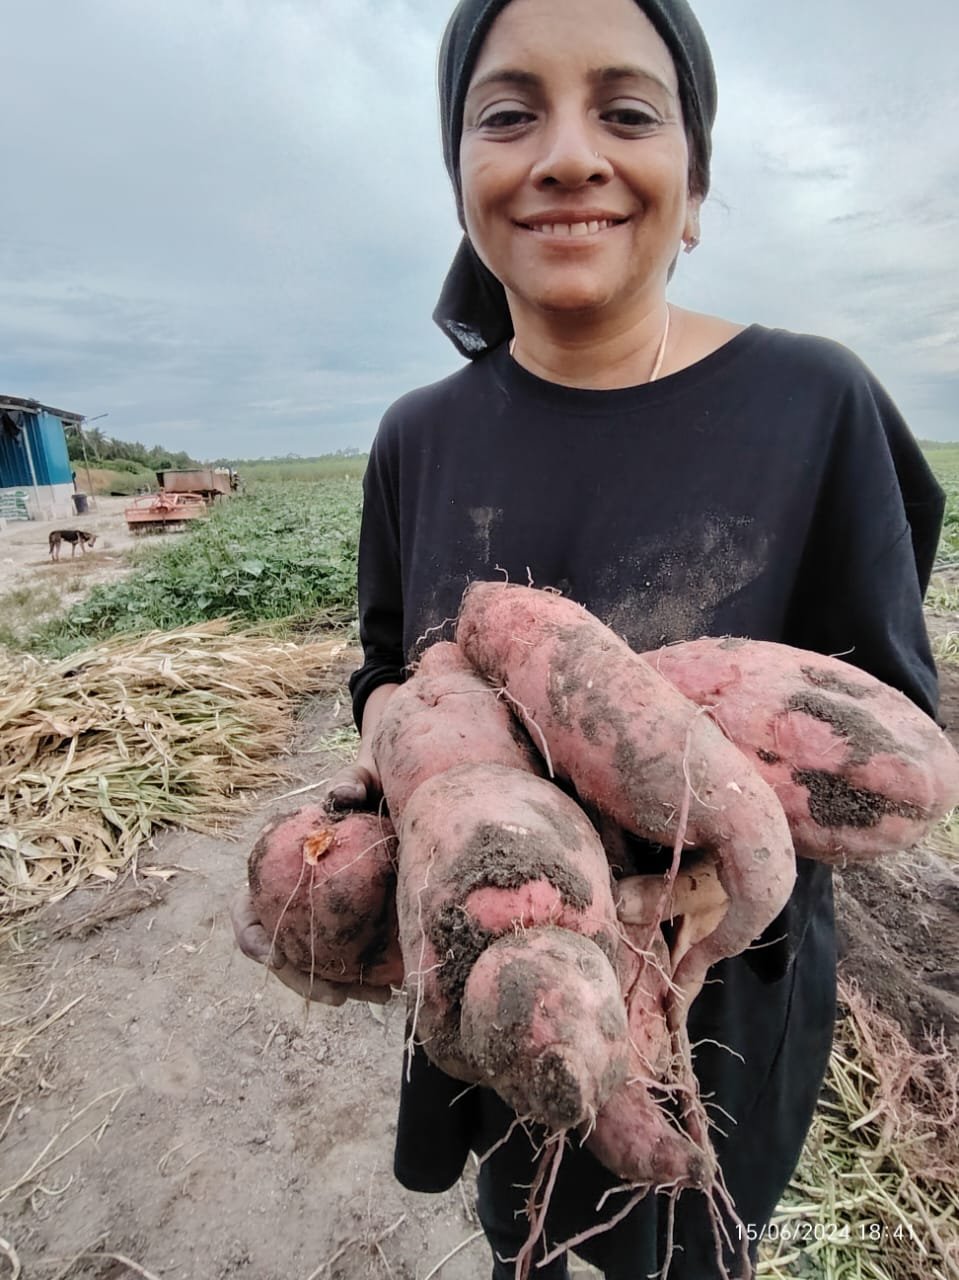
pixel 488 851
pixel 635 1139
pixel 324 887
pixel 633 1135
pixel 637 750
pixel 859 770
pixel 444 715
pixel 543 1023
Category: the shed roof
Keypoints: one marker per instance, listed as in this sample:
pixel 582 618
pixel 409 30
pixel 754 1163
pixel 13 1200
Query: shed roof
pixel 34 406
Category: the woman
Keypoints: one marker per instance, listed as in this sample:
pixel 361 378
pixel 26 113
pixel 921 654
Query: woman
pixel 677 474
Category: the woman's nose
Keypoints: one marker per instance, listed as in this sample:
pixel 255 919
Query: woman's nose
pixel 569 157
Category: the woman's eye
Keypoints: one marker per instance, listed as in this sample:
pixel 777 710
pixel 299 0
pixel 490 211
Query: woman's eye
pixel 631 118
pixel 506 118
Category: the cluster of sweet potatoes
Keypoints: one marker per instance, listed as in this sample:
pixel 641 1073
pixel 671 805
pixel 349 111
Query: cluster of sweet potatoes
pixel 516 765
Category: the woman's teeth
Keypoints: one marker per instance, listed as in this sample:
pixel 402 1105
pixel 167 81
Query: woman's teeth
pixel 572 228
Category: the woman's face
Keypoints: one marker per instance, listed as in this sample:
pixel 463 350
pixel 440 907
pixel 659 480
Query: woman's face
pixel 574 158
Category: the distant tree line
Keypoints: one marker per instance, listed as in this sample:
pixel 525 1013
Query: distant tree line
pixel 103 449
pixel 349 452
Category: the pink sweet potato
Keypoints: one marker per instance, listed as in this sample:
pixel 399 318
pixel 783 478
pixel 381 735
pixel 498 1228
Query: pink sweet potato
pixel 543 1023
pixel 488 851
pixel 635 1139
pixel 324 888
pixel 644 979
pixel 859 770
pixel 637 750
pixel 444 715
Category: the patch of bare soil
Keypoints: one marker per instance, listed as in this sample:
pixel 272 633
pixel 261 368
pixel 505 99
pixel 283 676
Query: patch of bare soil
pixel 25 551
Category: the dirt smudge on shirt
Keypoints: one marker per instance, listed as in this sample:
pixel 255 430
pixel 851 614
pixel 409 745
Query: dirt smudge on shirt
pixel 680 581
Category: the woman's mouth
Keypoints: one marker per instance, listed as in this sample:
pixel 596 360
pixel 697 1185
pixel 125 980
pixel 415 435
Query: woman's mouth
pixel 568 229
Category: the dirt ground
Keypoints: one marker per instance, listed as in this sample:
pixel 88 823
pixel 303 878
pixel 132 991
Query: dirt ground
pixel 185 1114
pixel 25 550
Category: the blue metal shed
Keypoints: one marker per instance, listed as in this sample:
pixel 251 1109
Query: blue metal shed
pixel 34 457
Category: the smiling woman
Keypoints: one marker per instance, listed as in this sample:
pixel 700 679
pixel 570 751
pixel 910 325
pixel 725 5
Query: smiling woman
pixel 575 175
pixel 678 474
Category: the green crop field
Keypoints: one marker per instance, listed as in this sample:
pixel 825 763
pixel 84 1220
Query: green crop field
pixel 301 469
pixel 944 460
pixel 278 552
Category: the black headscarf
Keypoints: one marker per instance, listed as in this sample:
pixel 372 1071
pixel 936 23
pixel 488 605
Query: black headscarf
pixel 472 309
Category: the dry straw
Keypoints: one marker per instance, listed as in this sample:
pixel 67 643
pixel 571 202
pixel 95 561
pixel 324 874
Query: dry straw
pixel 876 1195
pixel 99 749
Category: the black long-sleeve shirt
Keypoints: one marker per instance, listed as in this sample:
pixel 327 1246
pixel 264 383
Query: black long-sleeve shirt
pixel 771 490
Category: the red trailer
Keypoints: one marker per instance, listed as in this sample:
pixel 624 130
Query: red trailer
pixel 164 512
pixel 210 482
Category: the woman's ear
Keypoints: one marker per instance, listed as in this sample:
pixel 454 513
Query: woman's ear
pixel 691 231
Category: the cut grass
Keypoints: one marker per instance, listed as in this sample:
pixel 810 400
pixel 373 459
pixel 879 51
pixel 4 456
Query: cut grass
pixel 945 648
pixel 944 840
pixel 100 749
pixel 942 596
pixel 343 742
pixel 876 1195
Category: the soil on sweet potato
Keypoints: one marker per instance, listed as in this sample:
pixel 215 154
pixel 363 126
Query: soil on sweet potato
pixel 861 731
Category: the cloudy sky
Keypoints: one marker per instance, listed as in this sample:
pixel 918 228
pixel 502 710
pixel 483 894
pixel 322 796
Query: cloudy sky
pixel 226 221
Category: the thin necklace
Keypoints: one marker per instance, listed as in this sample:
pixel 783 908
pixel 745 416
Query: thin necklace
pixel 660 354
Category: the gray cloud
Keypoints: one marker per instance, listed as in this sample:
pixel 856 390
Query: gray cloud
pixel 227 220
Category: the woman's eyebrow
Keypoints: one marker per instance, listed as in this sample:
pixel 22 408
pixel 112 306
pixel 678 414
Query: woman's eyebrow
pixel 507 75
pixel 604 75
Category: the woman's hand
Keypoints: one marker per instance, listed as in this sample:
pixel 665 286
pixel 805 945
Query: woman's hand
pixel 254 941
pixel 355 786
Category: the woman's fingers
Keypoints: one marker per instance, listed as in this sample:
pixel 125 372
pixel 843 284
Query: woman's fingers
pixel 252 939
pixel 697 891
pixel 353 787
pixel 316 989
pixel 370 995
pixel 331 993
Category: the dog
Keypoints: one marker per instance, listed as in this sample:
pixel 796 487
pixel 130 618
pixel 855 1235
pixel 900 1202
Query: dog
pixel 76 537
